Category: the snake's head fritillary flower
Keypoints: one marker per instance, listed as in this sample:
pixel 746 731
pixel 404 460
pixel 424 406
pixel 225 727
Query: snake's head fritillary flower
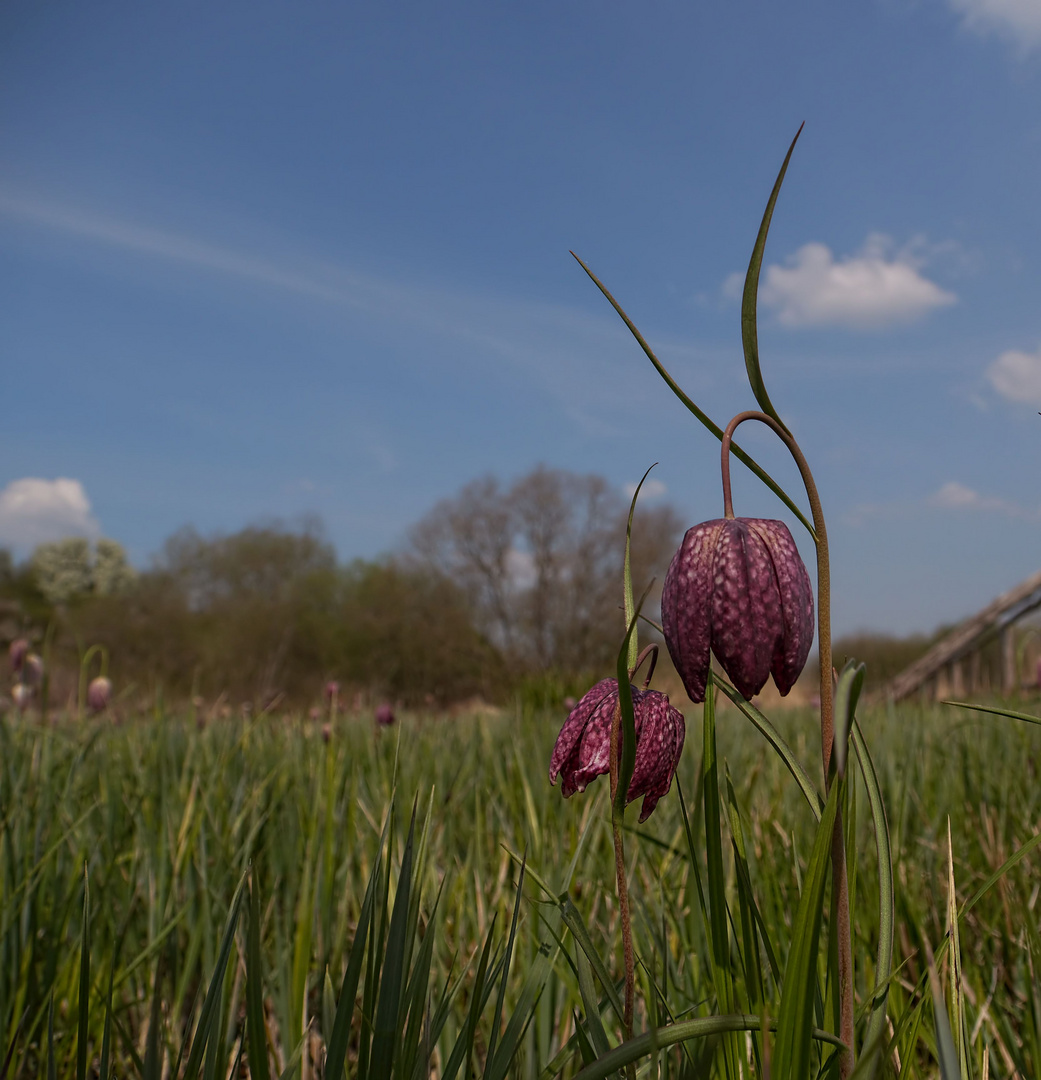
pixel 18 651
pixel 583 748
pixel 738 588
pixel 21 695
pixel 332 690
pixel 384 715
pixel 99 693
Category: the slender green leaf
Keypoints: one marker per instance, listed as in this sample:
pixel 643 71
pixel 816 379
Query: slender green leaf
pixel 791 1059
pixel 997 710
pixel 716 430
pixel 256 1028
pixel 781 748
pixel 152 1067
pixel 703 1027
pixel 52 1065
pixel 627 757
pixel 946 1053
pixel 627 577
pixel 215 988
pixel 716 883
pixel 497 1016
pixel 463 1048
pixel 386 1033
pixel 749 332
pixel 538 973
pixel 847 694
pixel 886 913
pixel 336 1047
pixel 573 921
pixel 591 1005
pixel 84 999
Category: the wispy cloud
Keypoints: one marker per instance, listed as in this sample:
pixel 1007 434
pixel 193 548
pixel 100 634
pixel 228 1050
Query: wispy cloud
pixel 952 496
pixel 652 489
pixel 1016 20
pixel 579 359
pixel 957 496
pixel 1017 376
pixel 873 289
pixel 33 511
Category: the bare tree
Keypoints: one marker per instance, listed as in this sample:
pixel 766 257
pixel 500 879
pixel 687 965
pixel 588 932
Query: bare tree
pixel 542 562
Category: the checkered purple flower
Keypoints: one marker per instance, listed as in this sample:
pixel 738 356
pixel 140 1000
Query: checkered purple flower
pixel 583 748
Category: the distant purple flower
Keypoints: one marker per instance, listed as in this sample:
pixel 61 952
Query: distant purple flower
pixel 738 588
pixel 384 715
pixel 18 651
pixel 32 669
pixel 332 690
pixel 583 748
pixel 327 732
pixel 99 692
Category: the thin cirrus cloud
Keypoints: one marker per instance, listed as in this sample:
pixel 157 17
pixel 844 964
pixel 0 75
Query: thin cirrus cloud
pixel 873 289
pixel 652 489
pixel 1017 20
pixel 957 496
pixel 33 511
pixel 1016 376
pixel 558 346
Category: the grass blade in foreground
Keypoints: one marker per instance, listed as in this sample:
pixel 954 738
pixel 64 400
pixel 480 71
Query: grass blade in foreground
pixel 213 992
pixel 717 901
pixel 791 1059
pixel 701 1028
pixel 256 1030
pixel 336 1054
pixel 84 1002
pixel 386 1033
pixel 886 908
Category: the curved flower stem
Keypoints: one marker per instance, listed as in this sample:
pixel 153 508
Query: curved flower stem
pixel 840 882
pixel 623 887
pixel 651 651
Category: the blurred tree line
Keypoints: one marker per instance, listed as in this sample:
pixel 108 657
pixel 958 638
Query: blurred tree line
pixel 498 588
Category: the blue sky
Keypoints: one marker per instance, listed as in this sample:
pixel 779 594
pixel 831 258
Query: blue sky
pixel 264 260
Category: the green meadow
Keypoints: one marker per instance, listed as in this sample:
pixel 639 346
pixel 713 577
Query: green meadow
pixel 179 898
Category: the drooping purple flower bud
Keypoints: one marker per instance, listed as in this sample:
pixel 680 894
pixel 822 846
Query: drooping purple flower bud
pixel 332 690
pixel 384 715
pixel 327 732
pixel 99 692
pixel 738 587
pixel 18 651
pixel 583 748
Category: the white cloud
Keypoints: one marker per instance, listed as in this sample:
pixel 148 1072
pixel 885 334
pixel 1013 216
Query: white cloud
pixel 33 511
pixel 1017 376
pixel 957 496
pixel 1018 20
pixel 868 290
pixel 652 489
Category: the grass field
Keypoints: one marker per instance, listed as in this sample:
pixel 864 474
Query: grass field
pixel 167 818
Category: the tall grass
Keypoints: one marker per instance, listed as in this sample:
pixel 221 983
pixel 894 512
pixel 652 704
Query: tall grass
pixel 163 823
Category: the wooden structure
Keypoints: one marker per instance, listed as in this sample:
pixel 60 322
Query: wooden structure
pixel 951 668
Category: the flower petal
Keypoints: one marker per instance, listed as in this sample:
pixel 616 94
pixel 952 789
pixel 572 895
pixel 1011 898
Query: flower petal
pixel 686 609
pixel 747 623
pixel 796 593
